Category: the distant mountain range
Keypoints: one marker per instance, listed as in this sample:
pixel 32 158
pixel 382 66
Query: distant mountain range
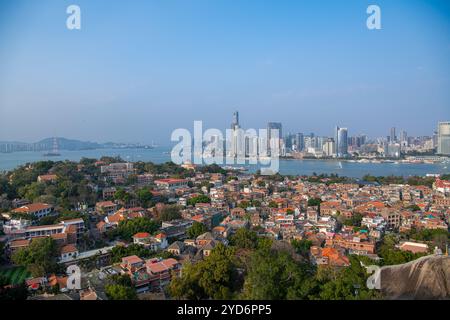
pixel 64 144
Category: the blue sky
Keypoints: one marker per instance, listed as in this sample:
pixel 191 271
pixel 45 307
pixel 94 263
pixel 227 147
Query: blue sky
pixel 139 69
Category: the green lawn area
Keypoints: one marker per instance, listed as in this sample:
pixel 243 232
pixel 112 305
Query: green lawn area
pixel 15 275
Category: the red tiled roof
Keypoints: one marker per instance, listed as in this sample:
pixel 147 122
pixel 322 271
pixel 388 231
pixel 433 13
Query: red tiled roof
pixel 33 207
pixel 105 204
pixel 132 259
pixel 170 180
pixel 141 235
pixel 68 249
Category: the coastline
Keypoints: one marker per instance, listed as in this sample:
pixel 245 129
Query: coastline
pixel 288 165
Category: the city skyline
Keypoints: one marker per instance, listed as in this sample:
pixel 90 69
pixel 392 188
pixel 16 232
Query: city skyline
pixel 327 133
pixel 165 65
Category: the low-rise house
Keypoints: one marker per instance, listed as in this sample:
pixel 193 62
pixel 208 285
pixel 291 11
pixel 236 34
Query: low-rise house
pixel 117 172
pixel 108 193
pixel 171 184
pixel 176 228
pixel 131 264
pixel 144 179
pixel 352 244
pixel 88 294
pixel 68 252
pixel 38 210
pixel 176 248
pixel 442 186
pixel 413 247
pixel 151 274
pixel 18 244
pixel 160 271
pixel 220 231
pixel 161 239
pixel 326 224
pixel 392 218
pixel 16 225
pixel 106 207
pixel 65 232
pixel 77 224
pixel 60 281
pixel 47 178
pixel 154 243
pixel 103 227
pixel 329 208
pixel 142 238
pixel 329 257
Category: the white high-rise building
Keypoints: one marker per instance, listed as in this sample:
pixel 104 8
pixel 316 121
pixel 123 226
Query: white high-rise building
pixel 341 140
pixel 444 138
pixel 329 148
pixel 235 144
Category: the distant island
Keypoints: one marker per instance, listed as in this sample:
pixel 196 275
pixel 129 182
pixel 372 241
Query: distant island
pixel 48 144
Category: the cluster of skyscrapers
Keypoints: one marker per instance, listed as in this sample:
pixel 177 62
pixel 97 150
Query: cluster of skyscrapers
pixel 341 145
pixel 247 143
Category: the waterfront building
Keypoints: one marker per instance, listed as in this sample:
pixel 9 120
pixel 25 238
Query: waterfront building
pixel 444 138
pixel 300 143
pixel 270 139
pixel 393 150
pixel 341 140
pixel 393 137
pixel 329 148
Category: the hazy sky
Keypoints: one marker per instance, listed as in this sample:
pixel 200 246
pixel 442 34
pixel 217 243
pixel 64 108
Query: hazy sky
pixel 139 69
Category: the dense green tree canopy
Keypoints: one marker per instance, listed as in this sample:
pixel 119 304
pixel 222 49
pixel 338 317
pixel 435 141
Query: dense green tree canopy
pixel 275 275
pixel 170 212
pixel 119 287
pixel 301 246
pixel 145 196
pixel 214 277
pixel 314 202
pixel 244 238
pixel 128 228
pixel 40 257
pixel 196 230
pixel 198 199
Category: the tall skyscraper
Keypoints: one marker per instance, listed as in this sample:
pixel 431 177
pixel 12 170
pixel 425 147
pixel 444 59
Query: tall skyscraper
pixel 236 142
pixel 403 136
pixel 444 138
pixel 341 140
pixel 393 137
pixel 435 139
pixel 270 140
pixel 235 123
pixel 300 142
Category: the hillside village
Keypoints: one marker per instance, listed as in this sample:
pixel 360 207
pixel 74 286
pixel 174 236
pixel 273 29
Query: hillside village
pixel 147 231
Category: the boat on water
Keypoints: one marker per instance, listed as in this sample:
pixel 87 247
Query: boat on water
pixel 235 168
pixel 52 154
